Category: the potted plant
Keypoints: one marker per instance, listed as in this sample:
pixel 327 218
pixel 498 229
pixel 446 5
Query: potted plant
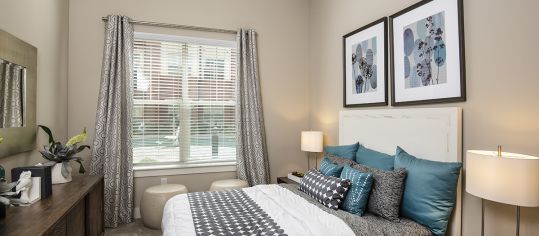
pixel 59 155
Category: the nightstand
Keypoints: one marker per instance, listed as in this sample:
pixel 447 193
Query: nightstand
pixel 285 180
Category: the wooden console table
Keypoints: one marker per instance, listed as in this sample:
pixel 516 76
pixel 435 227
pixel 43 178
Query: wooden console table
pixel 75 208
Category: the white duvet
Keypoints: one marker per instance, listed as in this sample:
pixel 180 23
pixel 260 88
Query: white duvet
pixel 294 214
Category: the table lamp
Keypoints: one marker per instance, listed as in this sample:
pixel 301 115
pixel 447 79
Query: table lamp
pixel 311 142
pixel 503 177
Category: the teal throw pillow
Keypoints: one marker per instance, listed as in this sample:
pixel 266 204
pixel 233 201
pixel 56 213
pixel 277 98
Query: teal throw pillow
pixel 429 190
pixel 329 169
pixel 358 194
pixel 374 159
pixel 346 151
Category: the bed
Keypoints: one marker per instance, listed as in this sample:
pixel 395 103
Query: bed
pixel 284 210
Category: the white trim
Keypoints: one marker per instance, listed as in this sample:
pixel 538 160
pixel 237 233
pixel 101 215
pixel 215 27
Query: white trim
pixel 183 169
pixel 185 39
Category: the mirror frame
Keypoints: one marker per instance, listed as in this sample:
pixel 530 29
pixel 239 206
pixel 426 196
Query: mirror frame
pixel 20 139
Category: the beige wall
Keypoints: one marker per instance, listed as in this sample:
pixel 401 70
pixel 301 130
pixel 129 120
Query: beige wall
pixel 501 65
pixel 282 27
pixel 300 54
pixel 42 23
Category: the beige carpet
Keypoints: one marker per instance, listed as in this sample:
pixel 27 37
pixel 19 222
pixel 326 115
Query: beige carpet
pixel 134 229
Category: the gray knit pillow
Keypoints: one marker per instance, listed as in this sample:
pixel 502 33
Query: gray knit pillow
pixel 339 160
pixel 386 193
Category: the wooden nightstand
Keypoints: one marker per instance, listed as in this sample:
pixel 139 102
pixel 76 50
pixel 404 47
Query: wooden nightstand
pixel 285 180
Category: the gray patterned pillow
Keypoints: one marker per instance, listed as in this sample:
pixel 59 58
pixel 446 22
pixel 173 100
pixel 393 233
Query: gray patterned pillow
pixel 339 160
pixel 328 190
pixel 386 193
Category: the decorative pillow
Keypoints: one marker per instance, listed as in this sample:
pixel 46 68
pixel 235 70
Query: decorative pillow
pixel 329 169
pixel 346 151
pixel 328 190
pixel 358 194
pixel 372 158
pixel 339 160
pixel 386 194
pixel 429 195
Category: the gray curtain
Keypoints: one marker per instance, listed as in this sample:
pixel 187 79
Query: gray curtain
pixel 112 155
pixel 11 94
pixel 252 154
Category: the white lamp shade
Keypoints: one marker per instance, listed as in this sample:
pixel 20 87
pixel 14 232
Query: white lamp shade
pixel 312 141
pixel 511 179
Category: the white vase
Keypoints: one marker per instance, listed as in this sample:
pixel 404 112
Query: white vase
pixel 56 175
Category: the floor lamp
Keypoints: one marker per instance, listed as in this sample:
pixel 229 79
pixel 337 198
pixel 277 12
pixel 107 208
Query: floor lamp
pixel 311 142
pixel 503 177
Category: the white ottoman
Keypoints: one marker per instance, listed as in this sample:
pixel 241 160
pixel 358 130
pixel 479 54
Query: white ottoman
pixel 228 184
pixel 153 201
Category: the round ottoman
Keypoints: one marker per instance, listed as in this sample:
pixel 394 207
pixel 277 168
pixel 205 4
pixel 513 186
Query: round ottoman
pixel 153 201
pixel 228 184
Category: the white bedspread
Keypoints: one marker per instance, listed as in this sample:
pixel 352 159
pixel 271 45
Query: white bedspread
pixel 294 214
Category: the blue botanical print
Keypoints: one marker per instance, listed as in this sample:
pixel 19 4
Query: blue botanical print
pixel 425 52
pixel 364 72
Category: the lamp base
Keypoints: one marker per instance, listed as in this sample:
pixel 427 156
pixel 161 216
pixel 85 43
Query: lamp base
pixel 518 221
pixel 482 217
pixel 517 231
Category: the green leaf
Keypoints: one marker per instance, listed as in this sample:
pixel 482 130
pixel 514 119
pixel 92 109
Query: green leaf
pixel 81 167
pixel 65 171
pixel 71 151
pixel 47 155
pixel 79 138
pixel 82 147
pixel 49 132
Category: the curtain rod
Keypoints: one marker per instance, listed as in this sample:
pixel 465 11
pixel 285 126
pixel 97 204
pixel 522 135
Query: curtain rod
pixel 186 27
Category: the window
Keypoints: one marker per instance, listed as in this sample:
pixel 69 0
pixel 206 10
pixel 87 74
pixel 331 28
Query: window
pixel 184 100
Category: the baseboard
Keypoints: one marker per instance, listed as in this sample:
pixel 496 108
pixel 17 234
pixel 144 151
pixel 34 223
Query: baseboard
pixel 137 213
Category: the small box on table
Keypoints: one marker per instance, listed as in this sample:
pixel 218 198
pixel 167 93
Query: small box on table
pixel 37 171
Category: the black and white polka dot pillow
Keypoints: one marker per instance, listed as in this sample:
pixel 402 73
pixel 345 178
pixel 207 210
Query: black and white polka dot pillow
pixel 328 190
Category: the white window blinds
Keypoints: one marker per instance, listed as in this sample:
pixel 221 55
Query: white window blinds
pixel 184 100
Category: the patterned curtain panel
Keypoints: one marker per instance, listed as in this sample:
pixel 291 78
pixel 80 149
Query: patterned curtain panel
pixel 112 154
pixel 252 154
pixel 11 94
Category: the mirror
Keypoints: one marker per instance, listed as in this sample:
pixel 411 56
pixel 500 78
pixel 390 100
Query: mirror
pixel 12 91
pixel 18 72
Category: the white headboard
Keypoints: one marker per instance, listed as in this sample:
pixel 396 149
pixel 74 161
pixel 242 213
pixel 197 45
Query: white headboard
pixel 428 133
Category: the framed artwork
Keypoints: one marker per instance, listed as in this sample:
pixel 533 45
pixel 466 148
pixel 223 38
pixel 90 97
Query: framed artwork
pixel 365 65
pixel 427 51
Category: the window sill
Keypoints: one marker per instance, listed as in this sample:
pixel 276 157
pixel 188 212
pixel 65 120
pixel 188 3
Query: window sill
pixel 182 169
